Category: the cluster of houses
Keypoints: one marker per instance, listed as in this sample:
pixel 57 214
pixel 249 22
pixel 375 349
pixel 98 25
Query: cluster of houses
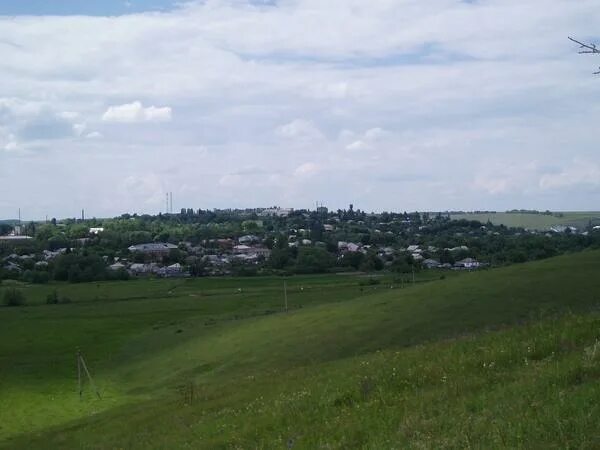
pixel 217 253
pixel 417 253
pixel 13 261
pixel 467 263
pixel 139 269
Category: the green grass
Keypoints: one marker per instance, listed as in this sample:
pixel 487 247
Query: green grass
pixel 485 359
pixel 534 221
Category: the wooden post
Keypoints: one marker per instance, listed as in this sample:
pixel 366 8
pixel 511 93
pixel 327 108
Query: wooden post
pixel 79 374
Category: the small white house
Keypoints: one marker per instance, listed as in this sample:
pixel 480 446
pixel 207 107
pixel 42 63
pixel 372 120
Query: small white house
pixel 468 263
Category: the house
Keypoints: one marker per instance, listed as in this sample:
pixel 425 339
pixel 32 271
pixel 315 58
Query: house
pixel 144 269
pixel 225 244
pixel 463 248
pixel 563 229
pixel 467 263
pixel 242 249
pixel 247 258
pixel 306 242
pixel 262 252
pixel 138 269
pixel 174 269
pixel 417 257
pixel 48 255
pixel 351 247
pixel 12 267
pixel 248 239
pixel 153 249
pixel 431 264
pixel 117 266
pixel 96 230
pixel 413 249
pixel 277 212
pixel 327 227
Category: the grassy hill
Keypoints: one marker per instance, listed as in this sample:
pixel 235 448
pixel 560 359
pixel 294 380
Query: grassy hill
pixel 534 221
pixel 503 358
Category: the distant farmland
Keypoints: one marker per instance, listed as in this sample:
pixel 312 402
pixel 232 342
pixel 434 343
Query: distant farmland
pixel 534 221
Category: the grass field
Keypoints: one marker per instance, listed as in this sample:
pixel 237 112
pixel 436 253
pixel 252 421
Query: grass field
pixel 505 358
pixel 535 221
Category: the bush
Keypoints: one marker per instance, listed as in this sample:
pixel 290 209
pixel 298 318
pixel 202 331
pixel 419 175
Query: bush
pixel 14 297
pixel 52 298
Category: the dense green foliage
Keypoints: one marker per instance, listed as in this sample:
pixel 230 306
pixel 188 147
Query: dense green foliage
pixel 214 363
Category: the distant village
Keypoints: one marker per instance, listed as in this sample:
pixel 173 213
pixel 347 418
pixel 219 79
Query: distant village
pixel 282 241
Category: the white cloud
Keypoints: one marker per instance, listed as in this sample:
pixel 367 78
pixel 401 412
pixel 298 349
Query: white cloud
pixel 357 145
pixel 79 128
pixel 69 115
pixel 94 135
pixel 368 140
pixel 135 112
pixel 300 129
pixel 11 146
pixel 375 134
pixel 383 89
pixel 307 170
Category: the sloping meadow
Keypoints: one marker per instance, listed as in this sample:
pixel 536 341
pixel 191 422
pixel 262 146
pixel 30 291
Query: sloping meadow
pixel 504 358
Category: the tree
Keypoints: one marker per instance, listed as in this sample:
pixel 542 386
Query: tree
pixel 279 258
pixel 5 229
pixel 313 260
pixel 352 259
pixel 371 263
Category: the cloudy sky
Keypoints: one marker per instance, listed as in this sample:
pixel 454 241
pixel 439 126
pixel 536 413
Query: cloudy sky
pixel 388 104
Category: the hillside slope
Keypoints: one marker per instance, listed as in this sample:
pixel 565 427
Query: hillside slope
pixel 320 376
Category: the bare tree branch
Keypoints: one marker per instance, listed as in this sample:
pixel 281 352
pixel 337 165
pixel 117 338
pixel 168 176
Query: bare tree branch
pixel 588 49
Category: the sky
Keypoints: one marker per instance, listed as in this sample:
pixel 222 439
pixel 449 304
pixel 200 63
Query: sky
pixel 391 105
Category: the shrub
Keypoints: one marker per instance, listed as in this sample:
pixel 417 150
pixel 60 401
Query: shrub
pixel 13 297
pixel 52 298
